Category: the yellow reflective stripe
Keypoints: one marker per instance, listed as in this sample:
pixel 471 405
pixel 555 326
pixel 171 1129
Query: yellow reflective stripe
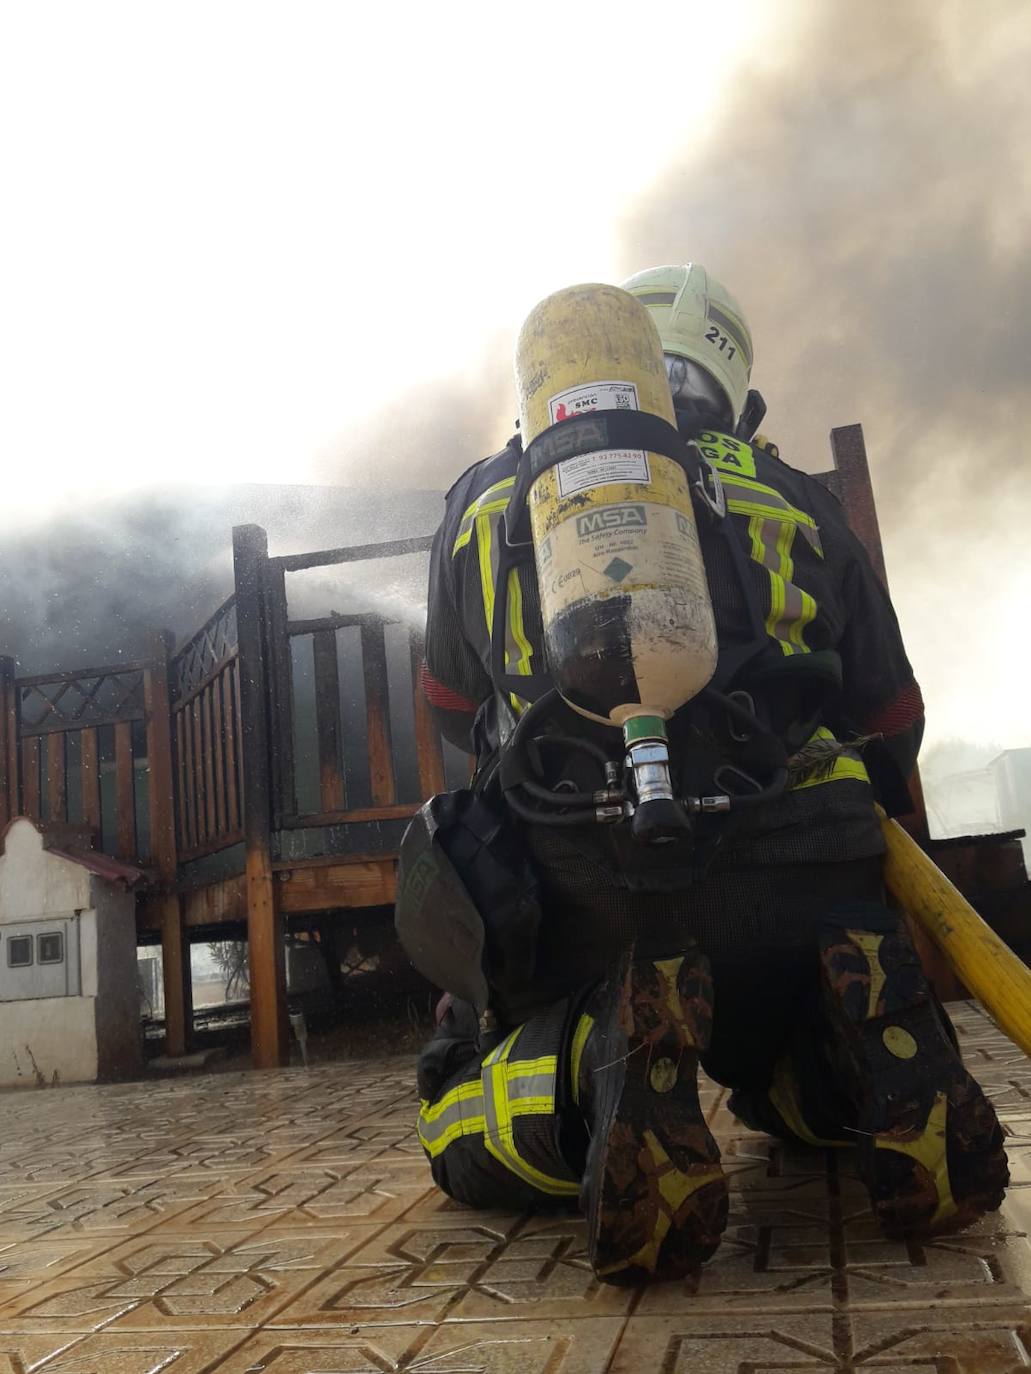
pixel 785 569
pixel 491 508
pixel 466 1125
pixel 515 615
pixel 465 1104
pixel 499 1137
pixel 526 1068
pixel 518 634
pixel 484 534
pixel 483 505
pixel 503 1048
pixel 477 505
pixel 465 1092
pixel 845 769
pixel 807 616
pixel 780 567
pixel 583 1029
pixel 779 507
pixel 778 578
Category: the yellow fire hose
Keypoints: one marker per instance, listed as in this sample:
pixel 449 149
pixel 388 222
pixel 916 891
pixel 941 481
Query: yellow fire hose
pixel 988 967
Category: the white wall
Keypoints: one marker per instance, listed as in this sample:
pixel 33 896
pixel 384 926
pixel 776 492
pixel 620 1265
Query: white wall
pixel 35 883
pixel 53 1040
pixel 70 1039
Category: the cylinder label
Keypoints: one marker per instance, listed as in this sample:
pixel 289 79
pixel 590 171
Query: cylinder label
pixel 625 547
pixel 595 469
pixel 578 400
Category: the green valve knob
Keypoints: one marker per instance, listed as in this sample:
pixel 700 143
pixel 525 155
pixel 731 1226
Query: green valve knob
pixel 640 728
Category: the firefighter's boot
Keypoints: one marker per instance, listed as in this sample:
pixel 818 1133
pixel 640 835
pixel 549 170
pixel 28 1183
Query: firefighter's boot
pixel 930 1145
pixel 653 1190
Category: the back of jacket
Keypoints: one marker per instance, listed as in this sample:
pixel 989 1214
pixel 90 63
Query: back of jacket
pixel 831 637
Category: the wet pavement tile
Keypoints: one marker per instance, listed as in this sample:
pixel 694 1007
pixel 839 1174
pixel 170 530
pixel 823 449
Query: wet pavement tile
pixel 287 1222
pixel 530 1347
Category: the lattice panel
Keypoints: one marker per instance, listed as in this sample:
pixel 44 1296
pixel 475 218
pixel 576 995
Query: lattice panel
pixel 209 649
pixel 83 701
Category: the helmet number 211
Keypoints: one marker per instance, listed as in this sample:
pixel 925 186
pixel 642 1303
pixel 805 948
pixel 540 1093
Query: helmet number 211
pixel 714 336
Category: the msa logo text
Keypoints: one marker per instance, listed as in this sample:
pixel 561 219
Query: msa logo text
pixel 611 518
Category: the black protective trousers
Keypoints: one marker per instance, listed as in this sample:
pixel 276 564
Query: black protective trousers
pixel 502 1122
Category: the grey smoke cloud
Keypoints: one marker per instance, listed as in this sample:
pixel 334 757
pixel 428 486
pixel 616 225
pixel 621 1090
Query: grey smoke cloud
pixel 867 199
pixel 436 428
pixel 93 585
pixel 865 192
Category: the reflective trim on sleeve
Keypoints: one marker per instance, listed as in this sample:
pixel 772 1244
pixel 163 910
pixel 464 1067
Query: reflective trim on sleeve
pixel 846 767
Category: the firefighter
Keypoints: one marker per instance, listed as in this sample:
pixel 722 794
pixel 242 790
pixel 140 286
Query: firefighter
pixel 590 975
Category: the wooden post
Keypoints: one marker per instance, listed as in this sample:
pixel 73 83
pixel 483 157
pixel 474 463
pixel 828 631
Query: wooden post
pixel 8 741
pixel 125 803
pixel 427 735
pixel 269 1029
pixel 175 946
pixel 281 694
pixel 855 491
pixel 30 777
pixel 377 715
pixel 57 790
pixel 327 717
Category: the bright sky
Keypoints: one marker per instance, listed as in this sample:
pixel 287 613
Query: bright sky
pixel 232 229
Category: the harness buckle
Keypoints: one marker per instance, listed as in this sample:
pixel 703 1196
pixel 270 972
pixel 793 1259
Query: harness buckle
pixel 707 487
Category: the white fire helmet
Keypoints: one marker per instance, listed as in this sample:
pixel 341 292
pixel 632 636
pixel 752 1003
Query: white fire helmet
pixel 698 319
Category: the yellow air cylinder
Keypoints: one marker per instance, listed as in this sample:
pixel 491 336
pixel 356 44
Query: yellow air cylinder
pixel 988 967
pixel 628 623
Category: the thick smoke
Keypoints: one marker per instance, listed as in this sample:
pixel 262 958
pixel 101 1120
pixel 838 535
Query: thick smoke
pixel 92 586
pixel 435 429
pixel 865 192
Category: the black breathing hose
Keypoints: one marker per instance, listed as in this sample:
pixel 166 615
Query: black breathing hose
pixel 585 804
pixel 539 817
pixel 554 798
pixel 774 788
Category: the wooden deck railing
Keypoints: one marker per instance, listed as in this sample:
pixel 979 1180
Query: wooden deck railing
pixel 351 770
pixel 166 761
pixel 78 753
pixel 206 736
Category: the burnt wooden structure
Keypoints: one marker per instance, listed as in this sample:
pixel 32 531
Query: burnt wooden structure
pixel 263 772
pixel 253 773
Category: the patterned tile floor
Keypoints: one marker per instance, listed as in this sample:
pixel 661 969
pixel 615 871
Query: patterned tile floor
pixel 285 1222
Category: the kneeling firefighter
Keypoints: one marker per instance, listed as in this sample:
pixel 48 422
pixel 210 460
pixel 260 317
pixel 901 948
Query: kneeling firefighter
pixel 664 647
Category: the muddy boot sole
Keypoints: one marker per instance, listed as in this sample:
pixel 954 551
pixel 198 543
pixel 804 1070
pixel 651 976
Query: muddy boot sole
pixel 654 1191
pixel 929 1142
